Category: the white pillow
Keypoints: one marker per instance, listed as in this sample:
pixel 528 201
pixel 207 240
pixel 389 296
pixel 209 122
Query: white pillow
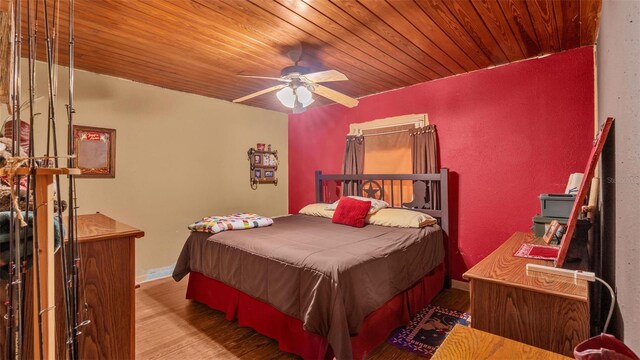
pixel 375 204
pixel 400 218
pixel 319 209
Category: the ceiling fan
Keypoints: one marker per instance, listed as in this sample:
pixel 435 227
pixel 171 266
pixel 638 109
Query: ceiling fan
pixel 299 86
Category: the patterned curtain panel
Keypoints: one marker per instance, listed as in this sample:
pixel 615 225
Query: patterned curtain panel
pixel 424 153
pixel 353 162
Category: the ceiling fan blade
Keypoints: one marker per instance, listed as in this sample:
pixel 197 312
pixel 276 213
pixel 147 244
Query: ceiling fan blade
pixel 326 76
pixel 333 95
pixel 258 93
pixel 266 77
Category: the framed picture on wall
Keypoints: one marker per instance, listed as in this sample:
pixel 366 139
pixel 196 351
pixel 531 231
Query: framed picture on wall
pixel 95 151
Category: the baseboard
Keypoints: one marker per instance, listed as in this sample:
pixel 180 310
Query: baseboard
pixel 144 280
pixel 460 285
pixel 155 274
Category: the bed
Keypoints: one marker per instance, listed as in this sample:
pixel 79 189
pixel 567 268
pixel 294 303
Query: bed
pixel 322 289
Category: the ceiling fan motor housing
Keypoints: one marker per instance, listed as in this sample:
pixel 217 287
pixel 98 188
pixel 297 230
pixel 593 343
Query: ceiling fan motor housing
pixel 295 69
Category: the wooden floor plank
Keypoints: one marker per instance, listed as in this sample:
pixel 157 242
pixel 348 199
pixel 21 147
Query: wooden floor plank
pixel 170 327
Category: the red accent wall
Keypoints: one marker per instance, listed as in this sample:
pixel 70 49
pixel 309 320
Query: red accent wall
pixel 507 134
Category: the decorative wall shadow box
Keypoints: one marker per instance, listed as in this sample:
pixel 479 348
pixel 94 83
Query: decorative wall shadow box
pixel 263 165
pixel 95 151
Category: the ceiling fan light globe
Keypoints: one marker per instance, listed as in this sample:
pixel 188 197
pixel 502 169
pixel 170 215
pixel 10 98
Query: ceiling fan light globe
pixel 305 104
pixel 304 96
pixel 287 97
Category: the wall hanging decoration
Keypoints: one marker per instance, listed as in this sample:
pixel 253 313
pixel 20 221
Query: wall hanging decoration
pixel 95 151
pixel 263 165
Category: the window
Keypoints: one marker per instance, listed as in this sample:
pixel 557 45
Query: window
pixel 387 150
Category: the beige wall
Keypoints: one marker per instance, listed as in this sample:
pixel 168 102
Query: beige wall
pixel 180 157
pixel 618 96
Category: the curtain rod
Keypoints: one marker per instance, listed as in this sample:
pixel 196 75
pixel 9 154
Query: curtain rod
pixel 384 133
pixel 415 122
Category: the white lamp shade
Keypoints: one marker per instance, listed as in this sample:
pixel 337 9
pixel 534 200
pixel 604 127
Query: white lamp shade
pixel 287 97
pixel 304 96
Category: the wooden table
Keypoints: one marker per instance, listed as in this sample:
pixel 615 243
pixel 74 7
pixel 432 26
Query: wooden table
pixel 464 343
pixel 546 311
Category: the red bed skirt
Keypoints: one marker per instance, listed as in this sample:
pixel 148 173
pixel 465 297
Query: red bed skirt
pixel 288 330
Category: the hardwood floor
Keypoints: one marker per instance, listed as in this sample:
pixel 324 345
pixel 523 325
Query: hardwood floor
pixel 170 327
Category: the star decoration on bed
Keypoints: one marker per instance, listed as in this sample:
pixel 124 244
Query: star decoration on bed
pixel 371 192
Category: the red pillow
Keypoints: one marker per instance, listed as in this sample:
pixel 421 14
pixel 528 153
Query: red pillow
pixel 351 212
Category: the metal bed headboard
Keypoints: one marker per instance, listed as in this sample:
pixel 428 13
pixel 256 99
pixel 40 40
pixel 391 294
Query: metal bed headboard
pixel 428 193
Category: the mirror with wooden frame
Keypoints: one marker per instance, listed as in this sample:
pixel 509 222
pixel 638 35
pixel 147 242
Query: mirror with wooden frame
pixel 95 151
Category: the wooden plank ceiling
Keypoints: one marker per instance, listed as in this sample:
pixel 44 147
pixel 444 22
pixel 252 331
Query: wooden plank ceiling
pixel 200 46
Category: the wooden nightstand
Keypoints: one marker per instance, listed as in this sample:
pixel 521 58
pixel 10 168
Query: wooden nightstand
pixel 464 343
pixel 546 311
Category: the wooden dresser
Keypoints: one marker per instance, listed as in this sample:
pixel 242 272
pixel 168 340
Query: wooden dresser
pixel 464 343
pixel 108 267
pixel 108 264
pixel 546 311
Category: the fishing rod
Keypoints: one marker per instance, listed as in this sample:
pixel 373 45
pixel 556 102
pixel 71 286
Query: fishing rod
pixel 32 51
pixel 73 241
pixel 25 239
pixel 67 259
pixel 14 236
pixel 19 232
pixel 9 348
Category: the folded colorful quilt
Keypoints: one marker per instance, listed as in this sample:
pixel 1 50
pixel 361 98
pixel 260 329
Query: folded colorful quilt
pixel 238 221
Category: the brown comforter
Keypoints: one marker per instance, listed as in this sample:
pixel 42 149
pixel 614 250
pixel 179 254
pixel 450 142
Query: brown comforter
pixel 329 276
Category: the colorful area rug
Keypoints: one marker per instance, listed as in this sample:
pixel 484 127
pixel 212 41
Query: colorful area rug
pixel 427 330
